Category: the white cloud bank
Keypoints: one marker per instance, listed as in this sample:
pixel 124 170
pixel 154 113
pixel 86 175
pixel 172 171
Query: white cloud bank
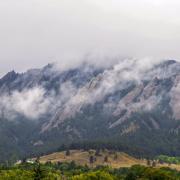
pixel 35 102
pixel 31 103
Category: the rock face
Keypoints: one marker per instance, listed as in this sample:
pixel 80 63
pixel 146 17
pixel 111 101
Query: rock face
pixel 127 101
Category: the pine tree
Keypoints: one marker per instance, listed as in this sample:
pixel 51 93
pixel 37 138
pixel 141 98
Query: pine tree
pixel 38 172
pixel 148 162
pixel 115 156
pixel 106 159
pixel 97 153
pixel 24 160
pixel 91 159
pixel 67 152
pixel 154 164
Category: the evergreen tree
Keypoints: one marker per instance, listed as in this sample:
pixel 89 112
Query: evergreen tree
pixel 106 159
pixel 115 156
pixel 97 153
pixel 67 152
pixel 148 162
pixel 91 159
pixel 24 160
pixel 154 164
pixel 38 172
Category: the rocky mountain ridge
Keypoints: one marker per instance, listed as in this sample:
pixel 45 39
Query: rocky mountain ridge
pixel 126 102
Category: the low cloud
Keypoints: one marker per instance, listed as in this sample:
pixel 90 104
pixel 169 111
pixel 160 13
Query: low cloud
pixel 116 78
pixel 30 103
pixel 69 99
pixel 175 98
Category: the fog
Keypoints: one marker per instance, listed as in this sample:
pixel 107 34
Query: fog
pixel 36 32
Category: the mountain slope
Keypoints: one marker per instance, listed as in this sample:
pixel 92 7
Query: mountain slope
pixel 130 102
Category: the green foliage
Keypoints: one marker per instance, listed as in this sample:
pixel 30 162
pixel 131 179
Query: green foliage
pixel 98 175
pixel 72 171
pixel 168 159
pixel 16 174
pixel 141 172
pixel 39 173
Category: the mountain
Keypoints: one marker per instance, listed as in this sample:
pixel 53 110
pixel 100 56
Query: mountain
pixel 130 104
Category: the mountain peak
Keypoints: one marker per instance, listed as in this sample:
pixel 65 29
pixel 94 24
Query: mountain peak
pixel 10 76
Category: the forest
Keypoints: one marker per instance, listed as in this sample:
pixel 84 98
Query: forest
pixel 72 171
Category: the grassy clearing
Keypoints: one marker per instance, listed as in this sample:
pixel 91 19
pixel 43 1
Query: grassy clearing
pixel 115 159
pixel 109 158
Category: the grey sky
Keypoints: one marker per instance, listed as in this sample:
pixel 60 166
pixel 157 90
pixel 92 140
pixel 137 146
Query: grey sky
pixel 35 32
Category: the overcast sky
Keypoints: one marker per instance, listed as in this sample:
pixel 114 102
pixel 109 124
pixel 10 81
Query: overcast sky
pixel 35 32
